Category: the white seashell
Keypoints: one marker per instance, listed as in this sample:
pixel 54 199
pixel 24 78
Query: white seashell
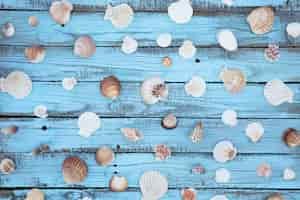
pixel 8 30
pixel 164 40
pixel 120 16
pixel 219 197
pixel 118 184
pixel 69 83
pixel 228 2
pixel 18 84
pixel 129 45
pixel 227 40
pixel 88 123
pixel 60 11
pixel 229 117
pixel 84 47
pixel 289 174
pixel 224 151
pixel 40 111
pixel 276 92
pixel 153 185
pixel 222 175
pixel 293 29
pixel 132 134
pixel 254 131
pixel 187 49
pixel 196 87
pixel 154 90
pixel 180 11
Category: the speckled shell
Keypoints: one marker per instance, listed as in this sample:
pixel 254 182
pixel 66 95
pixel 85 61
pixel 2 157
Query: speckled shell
pixel 60 11
pixel 234 79
pixel 261 20
pixel 84 47
pixel 104 156
pixel 35 194
pixel 118 184
pixel 7 166
pixel 110 87
pixel 74 170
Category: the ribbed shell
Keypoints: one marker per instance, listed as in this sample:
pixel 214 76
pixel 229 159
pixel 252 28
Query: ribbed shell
pixel 104 156
pixel 84 47
pixel 234 80
pixel 110 87
pixel 261 20
pixel 74 170
pixel 118 184
pixel 153 185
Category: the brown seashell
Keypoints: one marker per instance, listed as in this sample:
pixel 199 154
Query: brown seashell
pixel 104 156
pixel 197 133
pixel 167 61
pixel 84 47
pixel 33 21
pixel 261 20
pixel 291 137
pixel 9 130
pixel 275 196
pixel 74 170
pixel 110 87
pixel 132 134
pixel 189 194
pixel 35 194
pixel 7 166
pixel 35 54
pixel 118 184
pixel 234 79
pixel 169 121
pixel 60 11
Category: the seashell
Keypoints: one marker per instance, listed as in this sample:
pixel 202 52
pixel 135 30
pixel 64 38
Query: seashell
pixel 9 130
pixel 291 137
pixel 153 185
pixel 120 16
pixel 169 121
pixel 33 21
pixel 228 2
pixel 129 45
pixel 261 20
pixel 181 11
pixel 164 40
pixel 17 84
pixel 162 152
pixel 197 133
pixel 88 123
pixel 154 90
pixel 35 194
pixel 275 196
pixel 118 184
pixel 196 87
pixel 289 174
pixel 40 111
pixel 189 194
pixel 60 11
pixel 198 169
pixel 219 197
pixel 84 47
pixel 293 29
pixel 234 79
pixel 105 156
pixel 224 151
pixel 227 40
pixel 272 53
pixel 8 30
pixel 110 87
pixel 276 93
pixel 187 49
pixel 255 131
pixel 74 170
pixel 222 175
pixel 69 83
pixel 35 54
pixel 7 166
pixel 229 118
pixel 132 134
pixel 167 61
pixel 264 170
pixel 44 148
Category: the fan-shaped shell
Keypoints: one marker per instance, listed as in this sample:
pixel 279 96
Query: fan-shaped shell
pixel 180 11
pixel 74 170
pixel 35 194
pixel 120 16
pixel 60 11
pixel 234 79
pixel 129 45
pixel 261 20
pixel 153 185
pixel 276 92
pixel 254 131
pixel 84 47
pixel 110 87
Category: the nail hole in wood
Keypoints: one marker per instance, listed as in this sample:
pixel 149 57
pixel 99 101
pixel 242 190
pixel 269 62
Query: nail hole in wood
pixel 118 147
pixel 62 25
pixel 115 165
pixel 115 172
pixel 44 128
pixel 197 60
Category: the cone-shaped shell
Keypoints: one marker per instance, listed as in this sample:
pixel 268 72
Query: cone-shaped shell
pixel 104 156
pixel 197 133
pixel 35 194
pixel 261 20
pixel 84 47
pixel 118 184
pixel 110 87
pixel 153 185
pixel 74 170
pixel 234 79
pixel 35 54
pixel 60 11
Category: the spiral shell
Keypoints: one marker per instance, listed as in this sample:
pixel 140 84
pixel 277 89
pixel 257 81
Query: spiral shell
pixel 60 11
pixel 74 170
pixel 110 87
pixel 118 184
pixel 33 21
pixel 104 156
pixel 35 194
pixel 35 54
pixel 234 79
pixel 84 47
pixel 7 166
pixel 261 20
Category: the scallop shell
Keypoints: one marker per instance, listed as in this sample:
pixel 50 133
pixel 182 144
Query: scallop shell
pixel 120 16
pixel 33 21
pixel 110 87
pixel 219 197
pixel 169 121
pixel 289 174
pixel 275 196
pixel 224 151
pixel 164 40
pixel 222 175
pixel 261 20
pixel 197 133
pixel 35 54
pixel 118 184
pixel 272 53
pixel 88 123
pixel 187 49
pixel 264 170
pixel 74 170
pixel 293 29
pixel 105 156
pixel 162 152
pixel 9 130
pixel 8 30
pixel 69 83
pixel 255 131
pixel 153 185
pixel 189 194
pixel 7 166
pixel 276 93
pixel 229 117
pixel 181 11
pixel 154 90
pixel 84 47
pixel 60 11
pixel 227 40
pixel 196 87
pixel 234 79
pixel 129 45
pixel 291 137
pixel 35 194
pixel 132 134
pixel 40 111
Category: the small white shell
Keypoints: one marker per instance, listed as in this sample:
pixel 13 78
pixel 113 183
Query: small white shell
pixel 69 83
pixel 289 174
pixel 132 134
pixel 228 2
pixel 293 29
pixel 84 47
pixel 222 175
pixel 118 184
pixel 153 185
pixel 60 11
pixel 40 111
pixel 164 40
pixel 8 30
pixel 224 151
pixel 276 92
pixel 187 49
pixel 129 45
pixel 180 11
pixel 120 16
pixel 154 90
pixel 196 87
pixel 229 117
pixel 219 197
pixel 255 131
pixel 227 40
pixel 88 123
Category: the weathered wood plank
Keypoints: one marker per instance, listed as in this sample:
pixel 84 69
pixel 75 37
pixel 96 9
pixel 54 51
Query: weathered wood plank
pixel 86 97
pixel 60 62
pixel 45 170
pixel 145 28
pixel 61 134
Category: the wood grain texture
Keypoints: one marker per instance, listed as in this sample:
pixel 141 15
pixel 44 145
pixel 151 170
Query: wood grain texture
pixel 60 63
pixel 45 170
pixel 61 134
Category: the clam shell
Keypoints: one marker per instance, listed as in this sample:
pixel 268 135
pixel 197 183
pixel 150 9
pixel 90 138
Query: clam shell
pixel 189 194
pixel 120 16
pixel 8 30
pixel 293 29
pixel 224 151
pixel 187 50
pixel 118 184
pixel 35 54
pixel 105 156
pixel 164 40
pixel 69 83
pixel 181 11
pixel 129 45
pixel 234 79
pixel 88 123
pixel 84 47
pixel 35 194
pixel 227 40
pixel 60 11
pixel 110 87
pixel 196 87
pixel 153 185
pixel 132 134
pixel 154 90
pixel 277 93
pixel 255 131
pixel 74 170
pixel 261 20
pixel 7 166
